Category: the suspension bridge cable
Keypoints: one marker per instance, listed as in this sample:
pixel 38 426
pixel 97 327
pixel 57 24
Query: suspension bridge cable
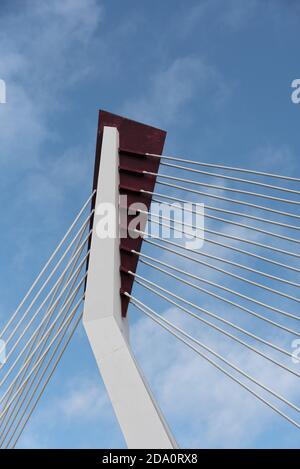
pixel 233 222
pixel 185 256
pixel 41 332
pixel 215 295
pixel 138 279
pixel 41 378
pixel 228 246
pixel 224 371
pixel 251 254
pixel 40 325
pixel 230 168
pixel 47 380
pixel 228 334
pixel 223 188
pixel 214 284
pixel 45 300
pixel 63 334
pixel 17 406
pixel 226 235
pixel 20 399
pixel 74 310
pixel 47 263
pixel 80 249
pixel 223 210
pixel 244 279
pixel 134 300
pixel 83 226
pixel 230 178
pixel 228 199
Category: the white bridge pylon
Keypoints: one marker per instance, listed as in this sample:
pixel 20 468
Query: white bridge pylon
pixel 38 332
pixel 139 416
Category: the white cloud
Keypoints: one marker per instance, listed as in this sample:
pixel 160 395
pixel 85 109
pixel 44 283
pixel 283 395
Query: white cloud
pixel 204 407
pixel 231 16
pixel 43 54
pixel 36 43
pixel 83 400
pixel 238 14
pixel 280 158
pixel 172 89
pixel 81 403
pixel 80 18
pixel 198 400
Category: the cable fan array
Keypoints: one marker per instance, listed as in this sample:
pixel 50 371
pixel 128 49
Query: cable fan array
pixel 241 288
pixel 41 328
pixel 242 285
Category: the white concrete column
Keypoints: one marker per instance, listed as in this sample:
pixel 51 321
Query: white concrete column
pixel 139 417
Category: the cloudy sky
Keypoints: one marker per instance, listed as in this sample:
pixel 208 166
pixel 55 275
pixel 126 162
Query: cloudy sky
pixel 217 76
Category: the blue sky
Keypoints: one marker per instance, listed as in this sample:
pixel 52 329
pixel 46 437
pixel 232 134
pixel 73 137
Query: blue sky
pixel 217 76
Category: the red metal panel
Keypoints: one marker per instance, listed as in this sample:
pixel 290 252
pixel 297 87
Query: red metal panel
pixel 136 139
